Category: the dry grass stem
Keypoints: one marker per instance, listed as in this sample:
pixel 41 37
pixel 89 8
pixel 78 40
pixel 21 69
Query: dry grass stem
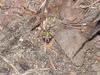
pixel 35 70
pixel 43 5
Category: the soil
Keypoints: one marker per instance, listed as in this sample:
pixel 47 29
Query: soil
pixel 49 37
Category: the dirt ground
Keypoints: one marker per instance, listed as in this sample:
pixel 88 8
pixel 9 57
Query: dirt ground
pixel 49 37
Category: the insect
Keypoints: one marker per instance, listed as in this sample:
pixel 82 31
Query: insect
pixel 47 36
pixel 43 18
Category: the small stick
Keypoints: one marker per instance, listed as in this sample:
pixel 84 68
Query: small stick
pixel 34 70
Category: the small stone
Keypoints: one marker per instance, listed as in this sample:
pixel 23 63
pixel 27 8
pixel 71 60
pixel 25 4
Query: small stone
pixel 96 66
pixel 70 40
pixel 79 58
pixel 72 73
pixel 21 39
pixel 39 28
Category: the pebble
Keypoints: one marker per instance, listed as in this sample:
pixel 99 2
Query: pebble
pixel 70 40
pixel 21 39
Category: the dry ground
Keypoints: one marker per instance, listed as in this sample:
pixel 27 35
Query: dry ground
pixel 49 37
